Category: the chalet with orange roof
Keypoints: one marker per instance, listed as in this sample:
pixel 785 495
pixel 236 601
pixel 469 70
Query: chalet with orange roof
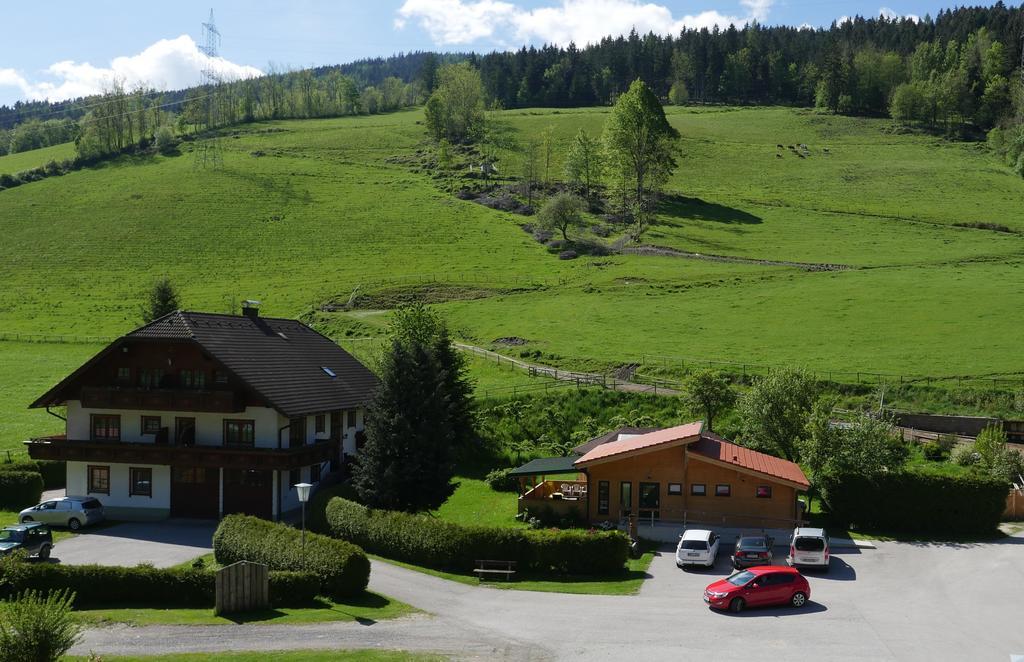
pixel 679 475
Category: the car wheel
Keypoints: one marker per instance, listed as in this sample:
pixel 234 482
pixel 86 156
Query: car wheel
pixel 798 599
pixel 74 524
pixel 44 552
pixel 25 519
pixel 737 605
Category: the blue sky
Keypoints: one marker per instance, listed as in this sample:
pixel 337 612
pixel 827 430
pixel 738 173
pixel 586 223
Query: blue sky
pixel 61 48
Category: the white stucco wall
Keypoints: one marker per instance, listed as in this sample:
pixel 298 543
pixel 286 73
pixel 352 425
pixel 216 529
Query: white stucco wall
pixel 209 426
pixel 78 485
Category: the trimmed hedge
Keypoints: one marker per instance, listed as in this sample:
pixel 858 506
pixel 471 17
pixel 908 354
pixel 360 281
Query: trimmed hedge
pixel 913 502
pixel 97 585
pixel 20 489
pixel 54 472
pixel 435 543
pixel 343 568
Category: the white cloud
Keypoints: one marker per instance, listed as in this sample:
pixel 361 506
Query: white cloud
pixel 579 21
pixel 168 64
pixel 893 15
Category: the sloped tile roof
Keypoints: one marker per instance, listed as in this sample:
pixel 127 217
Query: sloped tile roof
pixel 716 448
pixel 643 443
pixel 546 465
pixel 282 360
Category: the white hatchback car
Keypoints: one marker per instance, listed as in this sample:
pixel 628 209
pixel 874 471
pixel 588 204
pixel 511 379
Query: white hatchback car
pixel 697 547
pixel 810 548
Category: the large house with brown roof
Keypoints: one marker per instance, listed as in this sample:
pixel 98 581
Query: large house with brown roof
pixel 202 415
pixel 682 474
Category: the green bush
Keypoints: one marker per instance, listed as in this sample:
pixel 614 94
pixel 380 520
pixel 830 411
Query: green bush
pixel 20 489
pixel 912 502
pixel 343 568
pixel 964 455
pixel 500 480
pixel 96 585
pixel 427 541
pixel 933 451
pixel 54 472
pixel 34 628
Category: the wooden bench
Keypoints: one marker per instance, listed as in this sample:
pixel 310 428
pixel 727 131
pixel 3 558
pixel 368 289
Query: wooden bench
pixel 504 569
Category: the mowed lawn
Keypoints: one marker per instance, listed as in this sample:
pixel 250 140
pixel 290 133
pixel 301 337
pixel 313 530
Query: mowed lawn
pixel 474 503
pixel 278 656
pixel 12 164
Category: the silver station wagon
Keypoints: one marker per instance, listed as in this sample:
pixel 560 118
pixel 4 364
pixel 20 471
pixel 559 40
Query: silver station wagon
pixel 73 512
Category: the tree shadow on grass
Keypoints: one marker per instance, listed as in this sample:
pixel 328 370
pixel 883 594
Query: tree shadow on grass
pixel 684 208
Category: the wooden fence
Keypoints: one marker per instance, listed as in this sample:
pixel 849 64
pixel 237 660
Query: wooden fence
pixel 242 586
pixel 1014 505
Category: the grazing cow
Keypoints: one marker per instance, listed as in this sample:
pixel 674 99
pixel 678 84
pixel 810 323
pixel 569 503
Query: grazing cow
pixel 779 146
pixel 778 156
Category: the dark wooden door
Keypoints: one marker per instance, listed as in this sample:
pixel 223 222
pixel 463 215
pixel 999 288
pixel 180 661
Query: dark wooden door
pixel 248 491
pixel 650 500
pixel 195 492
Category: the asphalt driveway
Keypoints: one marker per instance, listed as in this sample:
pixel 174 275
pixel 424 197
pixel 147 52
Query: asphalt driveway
pixel 164 543
pixel 901 601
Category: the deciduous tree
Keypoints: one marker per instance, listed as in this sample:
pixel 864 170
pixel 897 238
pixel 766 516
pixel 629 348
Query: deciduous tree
pixel 561 212
pixel 708 393
pixel 775 411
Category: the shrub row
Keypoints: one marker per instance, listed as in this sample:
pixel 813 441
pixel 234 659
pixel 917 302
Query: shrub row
pixel 343 568
pixel 54 472
pixel 435 543
pixel 914 502
pixel 20 489
pixel 96 585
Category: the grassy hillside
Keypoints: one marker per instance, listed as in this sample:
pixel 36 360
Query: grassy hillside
pixel 11 164
pixel 308 212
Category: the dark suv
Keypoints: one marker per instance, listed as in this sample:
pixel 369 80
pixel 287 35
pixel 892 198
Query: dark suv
pixel 33 537
pixel 752 550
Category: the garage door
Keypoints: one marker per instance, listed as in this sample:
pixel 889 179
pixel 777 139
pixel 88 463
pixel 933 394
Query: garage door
pixel 248 491
pixel 195 492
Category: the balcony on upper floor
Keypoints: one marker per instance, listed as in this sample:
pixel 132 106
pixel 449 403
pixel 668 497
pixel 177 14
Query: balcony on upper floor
pixel 162 399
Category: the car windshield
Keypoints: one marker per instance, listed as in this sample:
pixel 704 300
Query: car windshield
pixel 752 543
pixel 6 535
pixel 91 503
pixel 741 578
pixel 809 544
pixel 694 544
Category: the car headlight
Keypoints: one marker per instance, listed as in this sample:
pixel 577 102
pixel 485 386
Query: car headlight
pixel 716 594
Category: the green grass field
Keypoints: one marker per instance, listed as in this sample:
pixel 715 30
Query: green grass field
pixel 278 656
pixel 368 607
pixel 306 212
pixel 12 164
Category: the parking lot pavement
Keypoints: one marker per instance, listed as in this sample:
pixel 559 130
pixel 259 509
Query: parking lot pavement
pixel 667 580
pixel 164 543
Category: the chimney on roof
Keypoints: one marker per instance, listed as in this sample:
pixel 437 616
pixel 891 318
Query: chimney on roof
pixel 251 308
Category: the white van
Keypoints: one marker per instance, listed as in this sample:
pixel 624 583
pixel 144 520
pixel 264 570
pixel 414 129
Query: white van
pixel 809 547
pixel 697 547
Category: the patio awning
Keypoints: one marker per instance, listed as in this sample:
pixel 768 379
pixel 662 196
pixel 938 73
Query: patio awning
pixel 547 466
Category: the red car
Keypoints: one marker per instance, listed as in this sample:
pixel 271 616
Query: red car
pixel 757 587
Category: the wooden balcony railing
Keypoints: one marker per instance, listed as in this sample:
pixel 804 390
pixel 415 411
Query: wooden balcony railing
pixel 230 457
pixel 161 399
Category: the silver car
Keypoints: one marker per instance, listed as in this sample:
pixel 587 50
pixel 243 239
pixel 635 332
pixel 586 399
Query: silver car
pixel 70 511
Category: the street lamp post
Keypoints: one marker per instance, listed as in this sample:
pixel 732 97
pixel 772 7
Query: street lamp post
pixel 303 491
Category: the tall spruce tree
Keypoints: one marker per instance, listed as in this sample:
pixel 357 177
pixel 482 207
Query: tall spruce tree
pixel 421 417
pixel 161 299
